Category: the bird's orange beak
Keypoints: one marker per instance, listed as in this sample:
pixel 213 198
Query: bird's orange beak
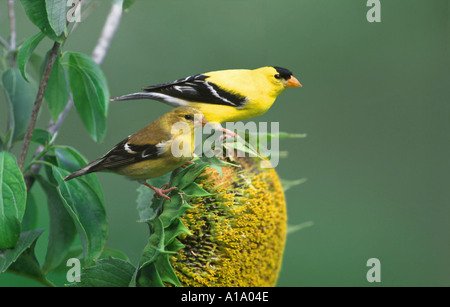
pixel 293 82
pixel 204 121
pixel 200 122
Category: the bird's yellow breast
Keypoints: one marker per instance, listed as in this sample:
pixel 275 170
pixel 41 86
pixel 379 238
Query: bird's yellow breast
pixel 254 85
pixel 151 168
pixel 215 113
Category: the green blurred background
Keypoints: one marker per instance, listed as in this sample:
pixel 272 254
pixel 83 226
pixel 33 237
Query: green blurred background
pixel 375 107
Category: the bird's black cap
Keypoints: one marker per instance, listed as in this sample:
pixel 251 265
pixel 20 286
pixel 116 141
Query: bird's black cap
pixel 283 72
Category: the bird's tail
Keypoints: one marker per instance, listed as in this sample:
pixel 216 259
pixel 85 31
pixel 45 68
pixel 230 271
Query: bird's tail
pixel 134 96
pixel 90 168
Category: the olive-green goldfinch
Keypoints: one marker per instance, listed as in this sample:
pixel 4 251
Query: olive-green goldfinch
pixel 223 96
pixel 159 148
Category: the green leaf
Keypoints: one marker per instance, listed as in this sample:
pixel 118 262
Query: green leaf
pixel 62 231
pixel 56 12
pixel 165 270
pixel 27 263
pixel 37 13
pixel 269 136
pixel 175 246
pixel 149 277
pixel 187 176
pixel 194 190
pixel 147 207
pixel 41 137
pixel 57 92
pixel 173 209
pixel 35 62
pixel 87 211
pixel 174 230
pixel 71 160
pixel 49 158
pixel 257 142
pixel 30 217
pixel 115 253
pixel 241 147
pixel 27 239
pixel 13 198
pixel 20 96
pixel 9 231
pixel 26 52
pixel 215 163
pixel 108 272
pixel 127 4
pixel 287 184
pixel 95 73
pixel 294 228
pixel 155 245
pixel 154 266
pixel 90 92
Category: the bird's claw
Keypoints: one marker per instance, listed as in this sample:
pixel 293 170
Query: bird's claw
pixel 228 134
pixel 188 162
pixel 162 191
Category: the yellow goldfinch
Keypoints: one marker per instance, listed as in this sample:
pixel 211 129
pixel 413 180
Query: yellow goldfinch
pixel 223 96
pixel 152 151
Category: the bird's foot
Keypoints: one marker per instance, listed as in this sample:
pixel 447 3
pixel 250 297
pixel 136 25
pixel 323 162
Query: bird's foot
pixel 162 191
pixel 228 134
pixel 186 164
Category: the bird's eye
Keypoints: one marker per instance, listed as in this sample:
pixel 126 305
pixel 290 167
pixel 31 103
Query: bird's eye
pixel 188 117
pixel 277 76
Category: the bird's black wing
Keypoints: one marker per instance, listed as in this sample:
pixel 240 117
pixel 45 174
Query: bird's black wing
pixel 194 88
pixel 120 155
pixel 125 153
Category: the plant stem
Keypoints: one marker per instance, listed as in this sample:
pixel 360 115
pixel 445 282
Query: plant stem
pixel 111 25
pixel 4 43
pixel 12 25
pixel 37 104
pixel 109 29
